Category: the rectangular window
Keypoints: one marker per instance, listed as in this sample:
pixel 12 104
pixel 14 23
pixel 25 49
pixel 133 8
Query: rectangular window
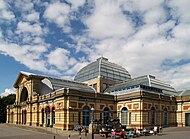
pixel 130 118
pixel 73 117
pixel 79 118
pixel 135 117
pixel 100 117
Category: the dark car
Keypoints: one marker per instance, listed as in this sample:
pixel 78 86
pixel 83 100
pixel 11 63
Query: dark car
pixel 77 127
pixel 108 127
pixel 98 129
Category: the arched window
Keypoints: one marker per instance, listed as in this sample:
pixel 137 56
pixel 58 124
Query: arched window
pixel 53 115
pixel 86 116
pixel 106 115
pixel 42 111
pixel 124 116
pixel 24 95
pixel 23 116
pixel 152 112
pixel 47 111
pixel 165 117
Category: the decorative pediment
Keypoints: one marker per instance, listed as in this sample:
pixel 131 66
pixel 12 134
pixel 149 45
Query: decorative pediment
pixel 25 76
pixel 21 79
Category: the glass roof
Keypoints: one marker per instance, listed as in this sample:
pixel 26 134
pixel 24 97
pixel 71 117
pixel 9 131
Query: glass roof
pixel 50 84
pixel 184 93
pixel 146 82
pixel 103 68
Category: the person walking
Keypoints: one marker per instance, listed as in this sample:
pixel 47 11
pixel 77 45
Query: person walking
pixel 85 131
pixel 155 130
pixel 113 134
pixel 161 132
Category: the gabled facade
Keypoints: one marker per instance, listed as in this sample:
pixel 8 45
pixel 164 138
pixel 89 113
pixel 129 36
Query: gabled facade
pixel 108 88
pixel 183 108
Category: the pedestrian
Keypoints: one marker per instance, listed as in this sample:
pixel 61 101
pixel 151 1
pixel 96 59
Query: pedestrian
pixel 113 134
pixel 161 130
pixel 121 134
pixel 69 137
pixel 158 129
pixel 80 129
pixel 85 131
pixel 155 130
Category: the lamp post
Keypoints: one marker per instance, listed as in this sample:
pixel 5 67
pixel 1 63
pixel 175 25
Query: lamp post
pixel 92 109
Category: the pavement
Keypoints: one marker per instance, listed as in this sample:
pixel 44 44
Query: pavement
pixel 10 131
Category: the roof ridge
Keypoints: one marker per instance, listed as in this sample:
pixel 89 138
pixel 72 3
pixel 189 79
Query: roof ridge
pixel 67 80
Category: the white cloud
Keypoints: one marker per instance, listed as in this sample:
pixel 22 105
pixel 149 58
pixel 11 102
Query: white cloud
pixel 111 32
pixel 7 92
pixel 77 3
pixel 32 55
pixel 180 9
pixel 144 51
pixel 24 5
pixel 147 5
pixel 34 16
pixel 27 9
pixel 107 21
pixel 60 58
pixel 156 15
pixel 29 33
pixel 182 32
pixel 178 76
pixel 5 13
pixel 58 13
pixel 27 27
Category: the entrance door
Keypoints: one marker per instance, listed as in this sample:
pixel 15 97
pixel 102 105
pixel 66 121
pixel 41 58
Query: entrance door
pixel 24 117
pixel 47 110
pixel 152 116
pixel 124 116
pixel 86 116
pixel 187 119
pixel 106 115
pixel 165 118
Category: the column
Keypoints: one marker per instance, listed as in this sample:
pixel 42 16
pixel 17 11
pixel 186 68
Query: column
pixel 51 122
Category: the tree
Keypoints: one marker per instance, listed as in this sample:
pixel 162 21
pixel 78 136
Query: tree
pixel 4 101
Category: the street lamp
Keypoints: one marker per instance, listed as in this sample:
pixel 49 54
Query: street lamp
pixel 92 109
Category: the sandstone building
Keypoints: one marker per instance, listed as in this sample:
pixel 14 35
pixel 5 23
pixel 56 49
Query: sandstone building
pixel 105 86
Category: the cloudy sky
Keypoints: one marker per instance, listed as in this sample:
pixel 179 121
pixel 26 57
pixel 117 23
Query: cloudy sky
pixel 58 37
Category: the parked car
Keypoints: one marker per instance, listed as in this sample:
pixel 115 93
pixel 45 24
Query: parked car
pixel 85 128
pixel 105 128
pixel 108 127
pixel 77 127
pixel 98 129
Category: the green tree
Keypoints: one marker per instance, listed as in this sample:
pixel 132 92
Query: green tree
pixel 4 101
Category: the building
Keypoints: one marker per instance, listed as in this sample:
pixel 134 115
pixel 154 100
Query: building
pixel 183 108
pixel 105 86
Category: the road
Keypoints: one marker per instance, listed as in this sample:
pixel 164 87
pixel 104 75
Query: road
pixel 7 132
pixel 172 133
pixel 12 132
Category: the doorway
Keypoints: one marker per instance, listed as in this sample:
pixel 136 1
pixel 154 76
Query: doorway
pixel 187 119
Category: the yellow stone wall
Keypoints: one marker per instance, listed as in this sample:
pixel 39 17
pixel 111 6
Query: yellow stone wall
pixel 183 109
pixel 68 104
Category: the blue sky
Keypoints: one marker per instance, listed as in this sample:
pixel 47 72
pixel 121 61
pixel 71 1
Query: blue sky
pixel 58 37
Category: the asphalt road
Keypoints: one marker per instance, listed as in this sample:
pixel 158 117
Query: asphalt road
pixel 12 132
pixel 7 132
